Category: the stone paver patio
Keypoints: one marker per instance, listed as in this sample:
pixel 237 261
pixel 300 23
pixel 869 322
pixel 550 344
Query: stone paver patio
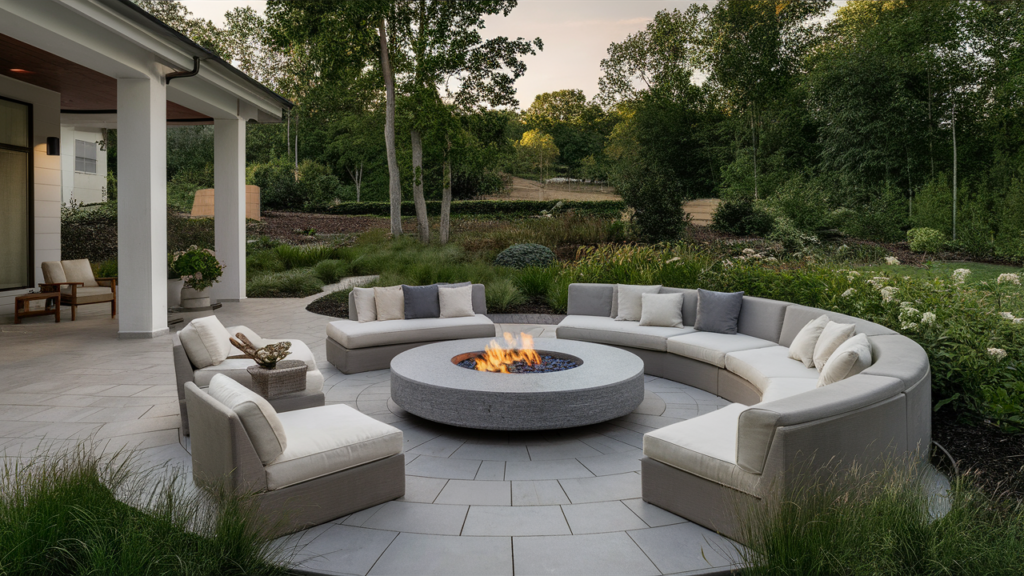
pixel 559 502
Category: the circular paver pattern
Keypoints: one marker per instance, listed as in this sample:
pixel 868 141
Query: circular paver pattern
pixel 608 384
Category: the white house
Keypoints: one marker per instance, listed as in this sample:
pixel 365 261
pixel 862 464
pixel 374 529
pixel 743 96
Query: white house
pixel 83 164
pixel 71 67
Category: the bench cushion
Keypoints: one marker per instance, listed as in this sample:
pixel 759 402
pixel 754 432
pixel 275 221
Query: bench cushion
pixel 604 330
pixel 329 439
pixel 759 366
pixel 354 335
pixel 704 446
pixel 711 347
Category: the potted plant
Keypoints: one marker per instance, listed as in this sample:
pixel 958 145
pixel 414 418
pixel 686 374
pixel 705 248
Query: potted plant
pixel 199 269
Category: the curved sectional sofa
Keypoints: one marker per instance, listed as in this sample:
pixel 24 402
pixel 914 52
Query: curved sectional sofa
pixel 781 429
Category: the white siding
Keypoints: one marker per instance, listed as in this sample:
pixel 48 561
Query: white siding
pixel 82 187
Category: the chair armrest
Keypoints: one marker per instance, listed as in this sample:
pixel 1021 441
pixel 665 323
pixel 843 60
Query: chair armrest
pixel 112 280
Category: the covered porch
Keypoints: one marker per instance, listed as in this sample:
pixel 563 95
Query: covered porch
pixel 109 64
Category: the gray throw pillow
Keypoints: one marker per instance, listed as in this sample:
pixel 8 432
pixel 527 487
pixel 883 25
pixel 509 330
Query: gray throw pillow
pixel 718 311
pixel 421 302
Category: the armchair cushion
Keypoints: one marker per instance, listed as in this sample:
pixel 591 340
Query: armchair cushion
pixel 89 295
pixel 329 439
pixel 79 271
pixel 235 368
pixel 258 417
pixel 206 341
pixel 53 273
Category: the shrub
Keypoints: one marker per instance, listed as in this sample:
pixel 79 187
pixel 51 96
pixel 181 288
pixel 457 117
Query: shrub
pixel 331 271
pixel 88 232
pixel 925 240
pixel 742 218
pixel 70 512
pixel 502 295
pixel 263 261
pixel 107 269
pixel 289 284
pixel 524 255
pixel 534 281
pixel 304 256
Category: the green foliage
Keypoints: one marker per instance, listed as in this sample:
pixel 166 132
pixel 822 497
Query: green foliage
pixel 742 218
pixel 197 266
pixel 535 281
pixel 70 512
pixel 331 271
pixel 88 232
pixel 305 256
pixel 525 255
pixel 1009 242
pixel 926 240
pixel 260 261
pixel 289 284
pixel 107 269
pixel 879 523
pixel 503 295
pixel 314 190
pixel 507 209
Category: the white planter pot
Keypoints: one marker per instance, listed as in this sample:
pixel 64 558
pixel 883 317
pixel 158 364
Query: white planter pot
pixel 174 286
pixel 195 298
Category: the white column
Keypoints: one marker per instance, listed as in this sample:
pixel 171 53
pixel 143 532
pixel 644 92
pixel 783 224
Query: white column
pixel 229 206
pixel 142 207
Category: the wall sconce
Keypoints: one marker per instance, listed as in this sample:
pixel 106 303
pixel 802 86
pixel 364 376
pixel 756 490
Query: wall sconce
pixel 52 146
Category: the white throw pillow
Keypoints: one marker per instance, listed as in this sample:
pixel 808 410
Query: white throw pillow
pixel 390 303
pixel 366 305
pixel 662 310
pixel 249 333
pixel 852 357
pixel 456 301
pixel 206 341
pixel 257 415
pixel 802 348
pixel 831 337
pixel 630 300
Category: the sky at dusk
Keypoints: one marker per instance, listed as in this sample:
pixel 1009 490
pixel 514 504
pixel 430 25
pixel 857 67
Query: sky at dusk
pixel 576 35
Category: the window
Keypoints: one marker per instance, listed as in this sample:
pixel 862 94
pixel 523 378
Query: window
pixel 15 195
pixel 85 156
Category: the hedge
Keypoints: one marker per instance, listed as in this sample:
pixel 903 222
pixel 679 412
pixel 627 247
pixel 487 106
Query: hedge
pixel 494 208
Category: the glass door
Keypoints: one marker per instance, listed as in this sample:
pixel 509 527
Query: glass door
pixel 15 195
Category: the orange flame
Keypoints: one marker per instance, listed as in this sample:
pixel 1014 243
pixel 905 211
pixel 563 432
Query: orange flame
pixel 498 358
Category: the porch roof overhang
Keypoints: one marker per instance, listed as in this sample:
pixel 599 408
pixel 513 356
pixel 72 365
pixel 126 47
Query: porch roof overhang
pixel 80 48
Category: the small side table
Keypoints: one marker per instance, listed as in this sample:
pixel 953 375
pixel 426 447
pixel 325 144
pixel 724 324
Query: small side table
pixel 287 377
pixel 21 304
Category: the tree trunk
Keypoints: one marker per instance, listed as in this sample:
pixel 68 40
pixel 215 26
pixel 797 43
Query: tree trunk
pixel 422 221
pixel 446 199
pixel 395 183
pixel 357 179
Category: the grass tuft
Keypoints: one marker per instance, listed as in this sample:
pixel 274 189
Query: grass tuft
pixel 289 284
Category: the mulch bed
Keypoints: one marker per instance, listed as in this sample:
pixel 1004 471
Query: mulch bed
pixel 995 459
pixel 335 307
pixel 538 306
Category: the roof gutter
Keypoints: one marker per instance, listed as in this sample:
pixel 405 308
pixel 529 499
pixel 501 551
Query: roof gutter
pixel 193 72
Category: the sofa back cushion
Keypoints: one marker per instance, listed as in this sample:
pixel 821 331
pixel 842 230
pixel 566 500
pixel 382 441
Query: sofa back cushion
pixel 689 303
pixel 206 341
pixel 257 415
pixel 662 310
pixel 899 357
pixel 850 358
pixel 629 301
pixel 591 300
pixel 797 317
pixel 390 302
pixel 832 337
pixel 455 301
pixel 79 271
pixel 718 311
pixel 361 305
pixel 762 318
pixel 758 424
pixel 53 273
pixel 422 302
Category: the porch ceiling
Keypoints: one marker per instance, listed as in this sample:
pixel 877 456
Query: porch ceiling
pixel 82 90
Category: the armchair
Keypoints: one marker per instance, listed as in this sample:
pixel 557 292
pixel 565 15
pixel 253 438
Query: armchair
pixel 77 285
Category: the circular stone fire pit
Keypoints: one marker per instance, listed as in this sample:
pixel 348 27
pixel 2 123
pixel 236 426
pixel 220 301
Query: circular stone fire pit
pixel 608 383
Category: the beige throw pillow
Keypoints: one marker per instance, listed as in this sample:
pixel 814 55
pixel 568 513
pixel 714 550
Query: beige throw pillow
pixel 662 310
pixel 206 341
pixel 456 301
pixel 831 337
pixel 630 300
pixel 852 357
pixel 390 303
pixel 802 348
pixel 257 415
pixel 366 305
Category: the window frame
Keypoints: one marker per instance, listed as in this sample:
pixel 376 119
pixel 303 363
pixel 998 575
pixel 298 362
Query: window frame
pixel 30 150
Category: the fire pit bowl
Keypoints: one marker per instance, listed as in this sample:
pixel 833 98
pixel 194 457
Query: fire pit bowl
pixel 428 382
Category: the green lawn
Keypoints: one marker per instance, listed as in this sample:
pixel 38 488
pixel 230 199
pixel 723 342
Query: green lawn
pixel 979 272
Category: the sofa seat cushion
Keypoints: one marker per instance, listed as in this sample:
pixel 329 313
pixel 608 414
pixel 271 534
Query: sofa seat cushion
pixel 761 365
pixel 86 295
pixel 329 439
pixel 779 388
pixel 354 335
pixel 711 347
pixel 704 446
pixel 235 368
pixel 617 332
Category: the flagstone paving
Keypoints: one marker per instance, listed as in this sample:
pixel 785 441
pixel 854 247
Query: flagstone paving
pixel 476 502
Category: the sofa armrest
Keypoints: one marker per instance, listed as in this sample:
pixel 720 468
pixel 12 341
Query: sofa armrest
pixel 757 424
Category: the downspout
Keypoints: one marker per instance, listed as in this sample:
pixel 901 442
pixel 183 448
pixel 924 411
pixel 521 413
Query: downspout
pixel 193 72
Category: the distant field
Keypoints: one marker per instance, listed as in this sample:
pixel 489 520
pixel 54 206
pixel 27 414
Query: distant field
pixel 523 189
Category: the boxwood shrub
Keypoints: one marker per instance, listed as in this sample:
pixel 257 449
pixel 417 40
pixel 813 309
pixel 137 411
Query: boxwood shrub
pixel 525 255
